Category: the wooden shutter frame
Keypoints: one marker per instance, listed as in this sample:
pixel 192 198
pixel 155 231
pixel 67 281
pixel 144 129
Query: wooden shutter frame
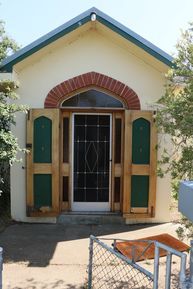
pixel 135 169
pixel 39 168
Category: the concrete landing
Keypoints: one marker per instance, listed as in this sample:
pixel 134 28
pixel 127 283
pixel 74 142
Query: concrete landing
pixel 90 218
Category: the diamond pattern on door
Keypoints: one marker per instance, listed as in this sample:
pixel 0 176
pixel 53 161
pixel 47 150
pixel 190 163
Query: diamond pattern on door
pixel 91 157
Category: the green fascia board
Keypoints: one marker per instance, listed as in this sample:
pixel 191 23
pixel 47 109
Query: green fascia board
pixel 136 39
pixel 8 63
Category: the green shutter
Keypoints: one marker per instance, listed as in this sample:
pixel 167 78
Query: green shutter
pixel 141 141
pixel 43 186
pixel 139 179
pixel 42 140
pixel 139 191
pixel 42 190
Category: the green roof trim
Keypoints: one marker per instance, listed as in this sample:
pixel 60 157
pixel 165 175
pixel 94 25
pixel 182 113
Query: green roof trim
pixel 138 40
pixel 8 63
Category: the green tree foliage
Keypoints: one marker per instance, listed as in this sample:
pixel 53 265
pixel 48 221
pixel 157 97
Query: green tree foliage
pixel 7 45
pixel 8 108
pixel 8 142
pixel 175 117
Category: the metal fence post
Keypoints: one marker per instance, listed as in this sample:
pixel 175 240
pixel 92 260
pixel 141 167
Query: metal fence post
pixel 168 270
pixel 184 283
pixel 1 267
pixel 156 267
pixel 190 283
pixel 191 261
pixel 90 263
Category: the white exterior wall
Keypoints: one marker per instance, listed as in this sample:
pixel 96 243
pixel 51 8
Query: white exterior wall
pixel 90 52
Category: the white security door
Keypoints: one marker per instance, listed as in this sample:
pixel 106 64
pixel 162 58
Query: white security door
pixel 91 162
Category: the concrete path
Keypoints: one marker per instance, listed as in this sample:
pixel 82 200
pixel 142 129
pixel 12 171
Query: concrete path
pixel 42 256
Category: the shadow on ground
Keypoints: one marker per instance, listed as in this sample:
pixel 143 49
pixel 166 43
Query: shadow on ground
pixel 32 284
pixel 36 243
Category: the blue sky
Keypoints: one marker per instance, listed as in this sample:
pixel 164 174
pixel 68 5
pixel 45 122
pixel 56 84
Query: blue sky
pixel 159 21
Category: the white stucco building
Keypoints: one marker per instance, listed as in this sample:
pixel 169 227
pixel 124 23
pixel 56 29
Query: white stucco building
pixel 90 129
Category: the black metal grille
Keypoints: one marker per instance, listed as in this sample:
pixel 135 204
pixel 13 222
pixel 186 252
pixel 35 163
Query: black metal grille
pixel 91 158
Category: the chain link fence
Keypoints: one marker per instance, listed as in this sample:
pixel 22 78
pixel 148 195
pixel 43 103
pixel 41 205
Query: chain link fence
pixel 109 269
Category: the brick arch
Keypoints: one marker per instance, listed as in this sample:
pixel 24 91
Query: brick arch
pixel 61 91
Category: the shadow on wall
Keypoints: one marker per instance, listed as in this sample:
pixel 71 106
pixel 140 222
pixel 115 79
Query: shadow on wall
pixel 35 244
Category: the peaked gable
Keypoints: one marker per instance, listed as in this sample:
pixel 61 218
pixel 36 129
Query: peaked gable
pixel 92 14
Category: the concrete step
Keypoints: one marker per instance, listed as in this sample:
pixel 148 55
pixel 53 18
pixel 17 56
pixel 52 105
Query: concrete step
pixel 89 218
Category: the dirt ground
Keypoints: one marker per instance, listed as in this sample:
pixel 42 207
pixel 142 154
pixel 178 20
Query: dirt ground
pixel 48 256
pixel 174 214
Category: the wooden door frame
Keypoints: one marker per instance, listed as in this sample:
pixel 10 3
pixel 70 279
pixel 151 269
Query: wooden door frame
pixel 122 170
pixel 66 168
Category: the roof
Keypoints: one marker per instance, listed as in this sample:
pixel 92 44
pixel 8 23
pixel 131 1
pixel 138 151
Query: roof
pixel 8 63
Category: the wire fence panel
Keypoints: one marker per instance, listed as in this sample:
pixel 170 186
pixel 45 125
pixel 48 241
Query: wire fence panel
pixel 109 269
